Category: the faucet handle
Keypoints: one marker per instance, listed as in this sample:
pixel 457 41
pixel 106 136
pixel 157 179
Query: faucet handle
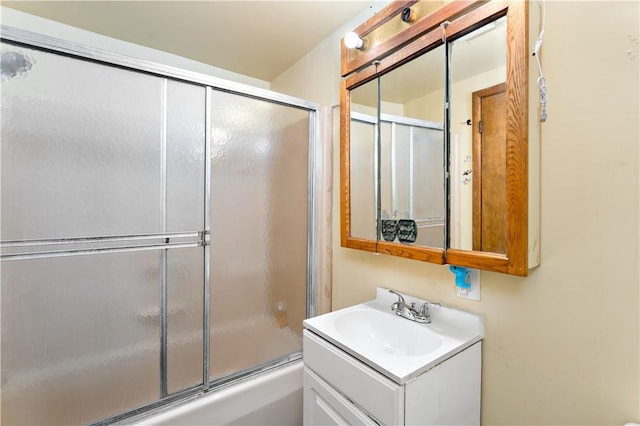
pixel 400 297
pixel 424 309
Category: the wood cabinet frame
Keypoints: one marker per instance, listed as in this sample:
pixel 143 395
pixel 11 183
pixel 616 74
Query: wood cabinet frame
pixel 462 17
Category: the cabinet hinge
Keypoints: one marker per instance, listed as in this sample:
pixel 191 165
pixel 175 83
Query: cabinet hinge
pixel 480 126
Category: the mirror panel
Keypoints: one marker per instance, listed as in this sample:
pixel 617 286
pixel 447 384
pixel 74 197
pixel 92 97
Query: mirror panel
pixel 478 188
pixel 412 152
pixel 362 157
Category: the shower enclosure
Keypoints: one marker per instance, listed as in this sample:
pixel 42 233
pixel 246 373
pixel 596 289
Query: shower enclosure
pixel 156 232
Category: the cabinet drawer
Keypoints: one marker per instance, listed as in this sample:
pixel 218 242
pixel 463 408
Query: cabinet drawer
pixel 324 406
pixel 375 394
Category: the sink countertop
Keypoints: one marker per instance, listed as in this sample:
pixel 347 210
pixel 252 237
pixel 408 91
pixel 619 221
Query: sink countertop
pixel 396 347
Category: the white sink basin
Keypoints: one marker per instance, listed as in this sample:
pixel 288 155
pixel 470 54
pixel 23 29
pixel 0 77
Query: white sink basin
pixel 397 347
pixel 369 330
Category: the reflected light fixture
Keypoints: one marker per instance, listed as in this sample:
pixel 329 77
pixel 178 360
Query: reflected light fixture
pixel 353 41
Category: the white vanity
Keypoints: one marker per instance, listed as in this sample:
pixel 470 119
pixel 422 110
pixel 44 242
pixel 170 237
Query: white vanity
pixel 366 365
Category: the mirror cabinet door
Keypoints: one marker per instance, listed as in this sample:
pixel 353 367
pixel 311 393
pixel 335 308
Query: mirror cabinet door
pixel 412 152
pixel 490 158
pixel 477 101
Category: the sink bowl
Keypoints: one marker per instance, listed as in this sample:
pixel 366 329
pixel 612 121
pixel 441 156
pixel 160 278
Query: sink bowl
pixel 370 330
pixel 397 347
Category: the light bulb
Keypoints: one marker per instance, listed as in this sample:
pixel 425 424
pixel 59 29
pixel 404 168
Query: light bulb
pixel 352 40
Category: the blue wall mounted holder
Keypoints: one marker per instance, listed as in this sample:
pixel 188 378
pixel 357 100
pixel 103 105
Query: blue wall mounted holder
pixel 462 276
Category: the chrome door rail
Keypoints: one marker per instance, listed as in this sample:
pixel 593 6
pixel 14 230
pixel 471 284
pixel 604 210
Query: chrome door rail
pixel 49 254
pixel 62 247
pixel 76 240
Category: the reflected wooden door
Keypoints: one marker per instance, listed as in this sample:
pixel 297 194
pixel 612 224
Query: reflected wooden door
pixel 489 169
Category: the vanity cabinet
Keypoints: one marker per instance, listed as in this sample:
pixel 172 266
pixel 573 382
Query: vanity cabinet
pixel 340 389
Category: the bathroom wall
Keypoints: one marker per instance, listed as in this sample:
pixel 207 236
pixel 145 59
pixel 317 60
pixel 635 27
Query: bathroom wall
pixel 561 346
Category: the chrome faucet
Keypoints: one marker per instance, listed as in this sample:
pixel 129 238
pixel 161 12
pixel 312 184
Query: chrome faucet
pixel 401 308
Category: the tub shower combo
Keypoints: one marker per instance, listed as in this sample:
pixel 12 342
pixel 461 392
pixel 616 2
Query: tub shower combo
pixel 157 239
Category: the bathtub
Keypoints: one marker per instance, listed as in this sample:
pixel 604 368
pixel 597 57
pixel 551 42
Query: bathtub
pixel 273 397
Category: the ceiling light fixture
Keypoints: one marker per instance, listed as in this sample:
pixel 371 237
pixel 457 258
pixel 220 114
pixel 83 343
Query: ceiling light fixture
pixel 353 41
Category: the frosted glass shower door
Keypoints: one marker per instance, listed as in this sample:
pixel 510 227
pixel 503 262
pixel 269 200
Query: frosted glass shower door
pixel 102 186
pixel 87 150
pixel 78 341
pixel 259 202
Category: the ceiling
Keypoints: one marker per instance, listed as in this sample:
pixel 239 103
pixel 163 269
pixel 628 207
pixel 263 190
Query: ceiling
pixel 260 39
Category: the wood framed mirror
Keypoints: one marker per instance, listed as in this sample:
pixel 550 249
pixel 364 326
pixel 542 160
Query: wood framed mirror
pixel 504 244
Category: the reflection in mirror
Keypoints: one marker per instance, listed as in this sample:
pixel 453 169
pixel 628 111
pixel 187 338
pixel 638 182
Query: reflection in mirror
pixel 478 187
pixel 362 157
pixel 412 152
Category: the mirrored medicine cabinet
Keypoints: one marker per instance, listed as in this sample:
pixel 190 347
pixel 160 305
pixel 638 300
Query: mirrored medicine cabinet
pixel 436 137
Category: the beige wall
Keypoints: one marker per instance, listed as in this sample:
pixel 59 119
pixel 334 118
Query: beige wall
pixel 561 346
